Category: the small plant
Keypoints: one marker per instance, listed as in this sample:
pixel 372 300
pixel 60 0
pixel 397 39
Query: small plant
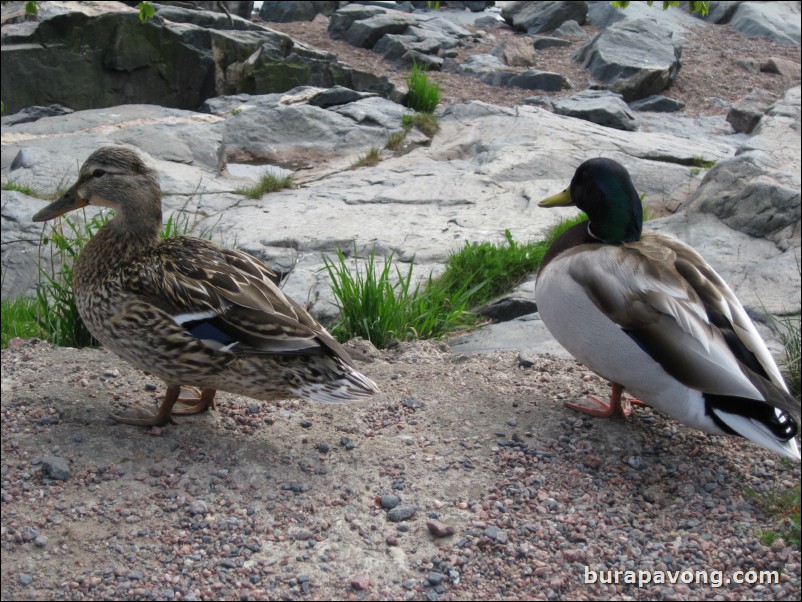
pixel 784 508
pixel 235 112
pixel 425 122
pixel 269 182
pixel 18 187
pixel 380 303
pixel 499 266
pixel 702 7
pixel 370 158
pixel 19 320
pixel 57 312
pixel 396 140
pixel 57 317
pixel 424 95
pixel 146 11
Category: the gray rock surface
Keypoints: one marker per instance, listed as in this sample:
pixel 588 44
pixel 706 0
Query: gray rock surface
pixel 599 106
pixel 98 55
pixel 483 173
pixel 284 11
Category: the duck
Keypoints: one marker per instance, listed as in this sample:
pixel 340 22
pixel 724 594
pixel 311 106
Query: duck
pixel 646 312
pixel 199 316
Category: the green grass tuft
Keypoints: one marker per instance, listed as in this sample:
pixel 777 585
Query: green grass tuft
pixel 370 158
pixel 499 266
pixel 784 509
pixel 380 303
pixel 425 122
pixel 267 183
pixel 19 320
pixel 396 140
pixel 10 185
pixel 424 96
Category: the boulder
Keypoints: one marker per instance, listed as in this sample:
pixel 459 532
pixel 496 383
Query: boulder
pixel 89 56
pixel 570 30
pixel 657 104
pixel 285 11
pixel 636 58
pixel 599 106
pixel 777 21
pixel 745 114
pixel 397 36
pixel 537 17
pixel 516 52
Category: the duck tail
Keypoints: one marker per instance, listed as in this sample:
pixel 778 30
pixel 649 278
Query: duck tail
pixel 776 439
pixel 345 384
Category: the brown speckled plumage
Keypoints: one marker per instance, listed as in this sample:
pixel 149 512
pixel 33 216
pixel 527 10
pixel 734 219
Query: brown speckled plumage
pixel 186 309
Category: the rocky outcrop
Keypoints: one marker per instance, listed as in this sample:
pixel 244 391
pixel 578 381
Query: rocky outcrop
pixel 90 55
pixel 599 106
pixel 281 12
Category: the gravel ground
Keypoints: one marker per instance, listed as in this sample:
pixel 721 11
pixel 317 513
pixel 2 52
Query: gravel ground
pixel 466 478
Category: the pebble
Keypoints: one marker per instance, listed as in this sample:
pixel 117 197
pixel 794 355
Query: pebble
pixel 198 507
pixel 360 581
pixel 25 579
pixel 56 468
pixel 389 501
pixel 440 529
pixel 402 512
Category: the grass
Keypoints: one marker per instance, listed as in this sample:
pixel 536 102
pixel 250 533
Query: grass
pixel 19 320
pixel 18 187
pixel 784 509
pixel 787 329
pixel 57 313
pixel 499 266
pixel 425 122
pixel 424 96
pixel 396 140
pixel 267 183
pixel 380 303
pixel 53 314
pixel 370 158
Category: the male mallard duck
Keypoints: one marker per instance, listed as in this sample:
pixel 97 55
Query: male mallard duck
pixel 189 311
pixel 646 312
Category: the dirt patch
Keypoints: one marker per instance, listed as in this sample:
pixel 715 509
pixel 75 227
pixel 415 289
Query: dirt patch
pixel 509 494
pixel 719 66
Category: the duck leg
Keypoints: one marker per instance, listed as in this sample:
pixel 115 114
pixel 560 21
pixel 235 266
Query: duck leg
pixel 142 417
pixel 203 400
pixel 618 405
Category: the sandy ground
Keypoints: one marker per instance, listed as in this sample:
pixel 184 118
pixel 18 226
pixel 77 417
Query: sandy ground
pixel 511 495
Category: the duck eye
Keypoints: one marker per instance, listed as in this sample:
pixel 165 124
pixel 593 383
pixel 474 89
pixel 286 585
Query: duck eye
pixel 98 173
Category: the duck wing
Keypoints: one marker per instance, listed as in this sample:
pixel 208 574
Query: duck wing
pixel 229 300
pixel 667 299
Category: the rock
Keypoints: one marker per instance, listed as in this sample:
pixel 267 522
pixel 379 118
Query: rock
pixel 516 52
pixel 439 529
pixel 402 512
pixel 745 114
pixel 337 95
pixel 541 42
pixel 778 21
pixel 104 56
pixel 397 36
pixel 570 30
pixel 29 114
pixel 780 66
pixel 389 501
pixel 540 80
pixel 198 507
pixel 493 72
pixel 360 581
pixel 599 106
pixel 56 468
pixel 515 304
pixel 657 104
pixel 537 17
pixel 285 11
pixel 636 58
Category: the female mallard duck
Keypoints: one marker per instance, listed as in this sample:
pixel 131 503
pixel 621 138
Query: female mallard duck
pixel 649 314
pixel 189 311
